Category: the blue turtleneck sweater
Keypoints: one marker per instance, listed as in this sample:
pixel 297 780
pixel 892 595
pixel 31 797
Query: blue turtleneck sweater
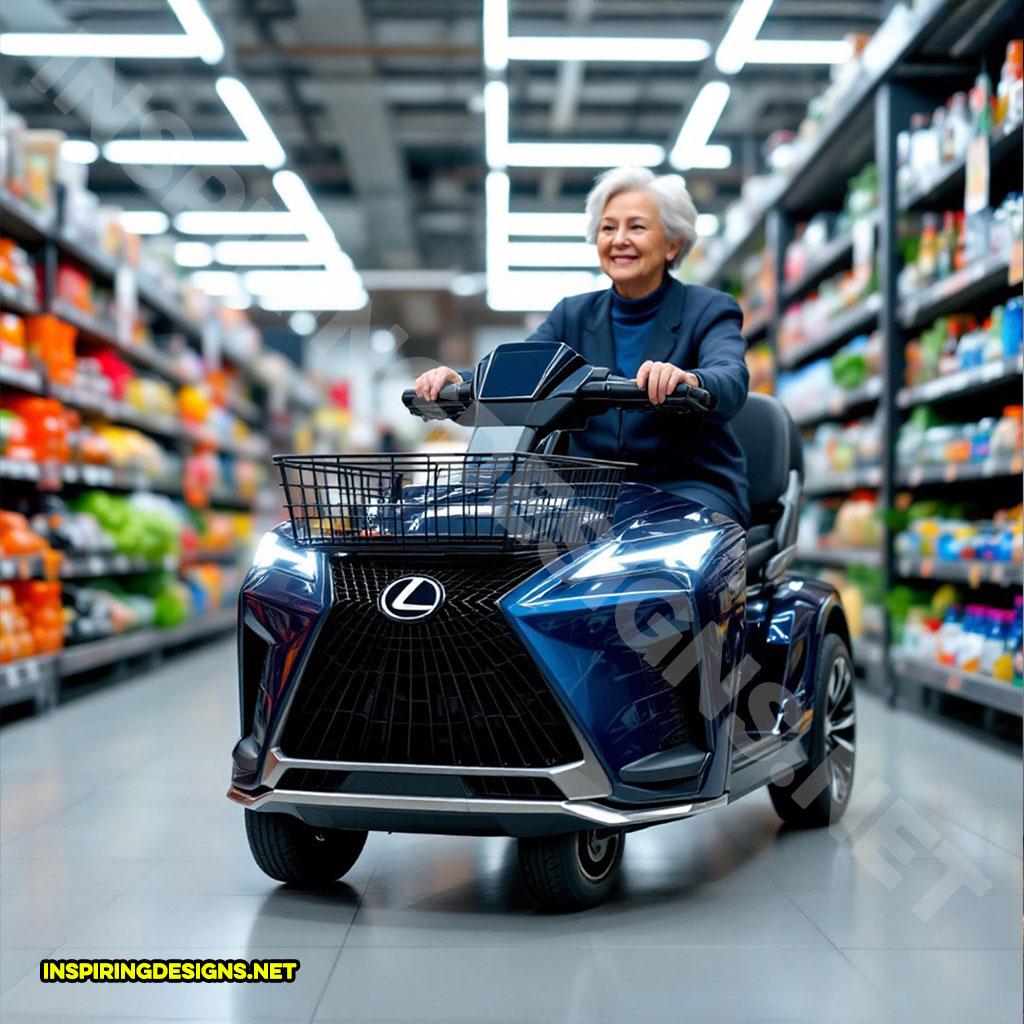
pixel 631 323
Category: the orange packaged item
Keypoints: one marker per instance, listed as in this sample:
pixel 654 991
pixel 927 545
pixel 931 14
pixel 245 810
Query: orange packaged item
pixel 52 343
pixel 46 428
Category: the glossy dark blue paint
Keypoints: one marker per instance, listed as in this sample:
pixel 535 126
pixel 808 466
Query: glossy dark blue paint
pixel 652 618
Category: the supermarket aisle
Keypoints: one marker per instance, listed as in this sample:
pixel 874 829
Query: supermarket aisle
pixel 118 841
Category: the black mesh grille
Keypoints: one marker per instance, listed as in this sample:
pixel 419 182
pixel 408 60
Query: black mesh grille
pixel 456 688
pixel 512 787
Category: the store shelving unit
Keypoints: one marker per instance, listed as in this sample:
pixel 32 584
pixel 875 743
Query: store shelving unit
pixel 911 68
pixel 841 556
pixel 39 678
pixel 990 693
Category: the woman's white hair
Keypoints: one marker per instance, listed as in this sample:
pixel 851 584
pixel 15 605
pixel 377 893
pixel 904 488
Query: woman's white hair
pixel 678 214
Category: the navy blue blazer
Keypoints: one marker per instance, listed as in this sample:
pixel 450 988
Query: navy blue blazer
pixel 696 329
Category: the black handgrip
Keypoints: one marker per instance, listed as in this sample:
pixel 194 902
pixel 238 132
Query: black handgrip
pixel 618 392
pixel 452 401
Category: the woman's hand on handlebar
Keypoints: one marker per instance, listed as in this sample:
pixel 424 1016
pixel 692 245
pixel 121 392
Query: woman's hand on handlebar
pixel 428 385
pixel 661 379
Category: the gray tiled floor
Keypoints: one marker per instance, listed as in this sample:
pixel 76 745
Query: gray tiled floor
pixel 117 841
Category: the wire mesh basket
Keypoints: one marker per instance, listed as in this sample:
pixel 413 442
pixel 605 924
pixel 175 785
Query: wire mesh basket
pixel 500 502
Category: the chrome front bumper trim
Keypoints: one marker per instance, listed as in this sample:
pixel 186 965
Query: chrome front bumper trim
pixel 589 814
pixel 584 779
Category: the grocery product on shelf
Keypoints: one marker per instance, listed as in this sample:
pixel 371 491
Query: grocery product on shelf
pixel 761 364
pixel 928 439
pixel 822 386
pixel 975 638
pixel 841 448
pixel 958 342
pixel 941 531
pixel 850 522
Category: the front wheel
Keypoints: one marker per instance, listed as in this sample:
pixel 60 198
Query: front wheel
pixel 571 872
pixel 302 855
pixel 819 791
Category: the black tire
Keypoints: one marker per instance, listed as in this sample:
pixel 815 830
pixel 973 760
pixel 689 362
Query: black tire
pixel 302 855
pixel 571 872
pixel 828 775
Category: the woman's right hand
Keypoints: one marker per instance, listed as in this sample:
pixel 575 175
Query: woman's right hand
pixel 428 385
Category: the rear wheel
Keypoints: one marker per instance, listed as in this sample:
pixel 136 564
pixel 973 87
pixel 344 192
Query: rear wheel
pixel 819 791
pixel 303 855
pixel 571 872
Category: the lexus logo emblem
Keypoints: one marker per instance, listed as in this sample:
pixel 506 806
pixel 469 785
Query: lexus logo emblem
pixel 411 598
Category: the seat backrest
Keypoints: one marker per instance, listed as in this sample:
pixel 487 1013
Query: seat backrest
pixel 775 470
pixel 771 441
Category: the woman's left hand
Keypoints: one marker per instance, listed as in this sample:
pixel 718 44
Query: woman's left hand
pixel 661 379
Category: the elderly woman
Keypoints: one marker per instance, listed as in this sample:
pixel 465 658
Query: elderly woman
pixel 651 327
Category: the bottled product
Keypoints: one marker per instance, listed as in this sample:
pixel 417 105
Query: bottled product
pixel 949 635
pixel 1007 105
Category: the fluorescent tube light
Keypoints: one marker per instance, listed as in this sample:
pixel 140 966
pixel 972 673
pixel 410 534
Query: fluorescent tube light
pixel 217 282
pixel 145 222
pixel 713 158
pixel 496 195
pixel 552 254
pixel 266 282
pixel 240 300
pixel 79 151
pixel 193 254
pixel 732 51
pixel 555 224
pixel 537 291
pixel 249 118
pixel 707 224
pixel 496 123
pixel 330 298
pixel 237 222
pixel 495 29
pixel 799 51
pixel 183 152
pixel 292 189
pixel 199 29
pixel 700 122
pixel 268 254
pixel 582 154
pixel 598 48
pixel 85 44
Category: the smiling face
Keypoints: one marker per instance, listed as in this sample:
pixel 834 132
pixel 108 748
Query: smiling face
pixel 632 245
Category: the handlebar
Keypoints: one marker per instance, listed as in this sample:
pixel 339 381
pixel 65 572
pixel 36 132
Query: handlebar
pixel 620 393
pixel 452 401
pixel 610 392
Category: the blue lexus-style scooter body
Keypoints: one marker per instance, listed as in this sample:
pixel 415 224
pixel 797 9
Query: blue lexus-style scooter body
pixel 641 676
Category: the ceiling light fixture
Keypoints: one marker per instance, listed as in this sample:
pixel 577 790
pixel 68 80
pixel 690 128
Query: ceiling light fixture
pixel 110 45
pixel 599 48
pixel 551 254
pixel 79 151
pixel 249 118
pixel 495 31
pixel 564 225
pixel 199 29
pixel 732 51
pixel 193 254
pixel 700 122
pixel 583 154
pixel 799 51
pixel 217 282
pixel 240 222
pixel 496 123
pixel 268 254
pixel 183 152
pixel 145 222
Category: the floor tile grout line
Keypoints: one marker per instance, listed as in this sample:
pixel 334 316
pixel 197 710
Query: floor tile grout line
pixel 341 948
pixel 973 831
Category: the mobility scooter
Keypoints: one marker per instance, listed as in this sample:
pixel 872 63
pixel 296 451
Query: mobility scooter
pixel 510 641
